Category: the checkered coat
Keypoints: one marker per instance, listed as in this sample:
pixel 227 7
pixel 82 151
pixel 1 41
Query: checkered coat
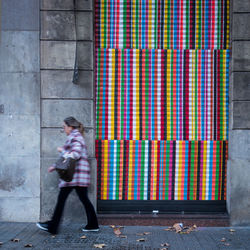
pixel 75 148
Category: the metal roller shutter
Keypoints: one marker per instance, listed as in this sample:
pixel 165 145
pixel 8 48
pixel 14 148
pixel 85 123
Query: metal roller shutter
pixel 162 75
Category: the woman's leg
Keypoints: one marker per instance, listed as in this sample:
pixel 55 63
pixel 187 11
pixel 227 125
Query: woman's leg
pixel 82 193
pixel 62 196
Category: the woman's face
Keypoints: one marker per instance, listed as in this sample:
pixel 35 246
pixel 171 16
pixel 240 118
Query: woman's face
pixel 67 129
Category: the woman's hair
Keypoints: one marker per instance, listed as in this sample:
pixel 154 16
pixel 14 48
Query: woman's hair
pixel 72 122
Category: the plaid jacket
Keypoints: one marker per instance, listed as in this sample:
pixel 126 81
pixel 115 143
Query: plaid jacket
pixel 75 147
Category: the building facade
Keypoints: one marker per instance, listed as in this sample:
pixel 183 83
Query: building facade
pixel 145 55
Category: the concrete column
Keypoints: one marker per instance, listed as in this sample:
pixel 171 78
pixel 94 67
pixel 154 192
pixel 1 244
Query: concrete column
pixel 60 97
pixel 239 129
pixel 20 111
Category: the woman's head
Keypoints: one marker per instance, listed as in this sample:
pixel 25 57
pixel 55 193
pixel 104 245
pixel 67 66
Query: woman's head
pixel 71 123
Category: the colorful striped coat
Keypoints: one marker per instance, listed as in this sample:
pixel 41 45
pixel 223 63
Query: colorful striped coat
pixel 75 147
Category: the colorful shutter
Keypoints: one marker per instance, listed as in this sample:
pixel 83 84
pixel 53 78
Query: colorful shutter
pixel 162 70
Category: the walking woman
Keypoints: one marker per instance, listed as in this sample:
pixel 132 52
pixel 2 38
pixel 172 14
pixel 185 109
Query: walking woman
pixel 75 148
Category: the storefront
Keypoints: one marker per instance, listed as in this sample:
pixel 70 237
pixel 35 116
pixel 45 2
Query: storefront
pixel 162 77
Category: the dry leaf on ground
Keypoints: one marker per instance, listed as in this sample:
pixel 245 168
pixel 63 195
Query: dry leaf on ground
pixel 83 237
pixel 141 240
pixel 100 245
pixel 28 245
pixel 223 240
pixel 232 230
pixel 117 231
pixel 165 245
pixel 15 240
pixel 177 227
pixel 188 230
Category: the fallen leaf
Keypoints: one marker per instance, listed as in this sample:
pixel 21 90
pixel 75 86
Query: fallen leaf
pixel 232 230
pixel 114 226
pixel 15 240
pixel 146 233
pixel 188 230
pixel 165 245
pixel 28 245
pixel 141 240
pixel 223 240
pixel 117 231
pixel 83 237
pixel 177 227
pixel 100 245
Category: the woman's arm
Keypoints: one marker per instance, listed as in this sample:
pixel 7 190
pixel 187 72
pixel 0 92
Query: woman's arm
pixel 76 149
pixel 51 169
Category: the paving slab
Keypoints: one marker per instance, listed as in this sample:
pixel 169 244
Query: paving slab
pixel 69 237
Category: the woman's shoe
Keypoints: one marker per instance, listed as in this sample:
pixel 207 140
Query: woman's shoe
pixel 43 226
pixel 90 229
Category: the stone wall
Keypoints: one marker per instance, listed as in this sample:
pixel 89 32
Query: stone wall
pixel 239 110
pixel 60 97
pixel 20 111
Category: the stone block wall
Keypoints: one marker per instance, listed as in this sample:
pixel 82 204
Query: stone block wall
pixel 239 130
pixel 60 97
pixel 20 113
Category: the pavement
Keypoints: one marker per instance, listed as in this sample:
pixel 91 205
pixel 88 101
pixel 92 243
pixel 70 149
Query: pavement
pixel 27 235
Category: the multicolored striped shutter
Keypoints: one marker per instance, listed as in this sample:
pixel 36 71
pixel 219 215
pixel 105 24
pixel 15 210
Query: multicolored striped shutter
pixel 162 75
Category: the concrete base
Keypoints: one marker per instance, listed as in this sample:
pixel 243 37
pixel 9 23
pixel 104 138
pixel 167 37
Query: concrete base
pixel 220 220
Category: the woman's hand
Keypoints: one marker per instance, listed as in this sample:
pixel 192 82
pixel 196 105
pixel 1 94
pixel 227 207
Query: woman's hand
pixel 51 169
pixel 59 149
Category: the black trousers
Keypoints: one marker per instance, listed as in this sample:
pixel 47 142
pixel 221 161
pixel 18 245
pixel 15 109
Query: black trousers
pixel 82 193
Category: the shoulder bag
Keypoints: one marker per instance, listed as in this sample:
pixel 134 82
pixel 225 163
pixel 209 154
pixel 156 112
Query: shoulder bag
pixel 65 168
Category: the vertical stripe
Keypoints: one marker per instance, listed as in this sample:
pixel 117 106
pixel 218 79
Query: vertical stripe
pixel 173 168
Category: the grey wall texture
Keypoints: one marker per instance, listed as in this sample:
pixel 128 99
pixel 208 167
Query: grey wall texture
pixel 238 185
pixel 60 97
pixel 20 117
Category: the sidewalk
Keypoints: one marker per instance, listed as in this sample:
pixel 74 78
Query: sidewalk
pixel 211 238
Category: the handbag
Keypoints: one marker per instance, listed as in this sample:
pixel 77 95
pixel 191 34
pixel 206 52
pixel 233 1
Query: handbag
pixel 65 168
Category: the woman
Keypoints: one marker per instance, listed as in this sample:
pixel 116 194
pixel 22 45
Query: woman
pixel 75 148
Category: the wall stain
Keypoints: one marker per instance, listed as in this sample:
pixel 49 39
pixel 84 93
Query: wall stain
pixel 11 178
